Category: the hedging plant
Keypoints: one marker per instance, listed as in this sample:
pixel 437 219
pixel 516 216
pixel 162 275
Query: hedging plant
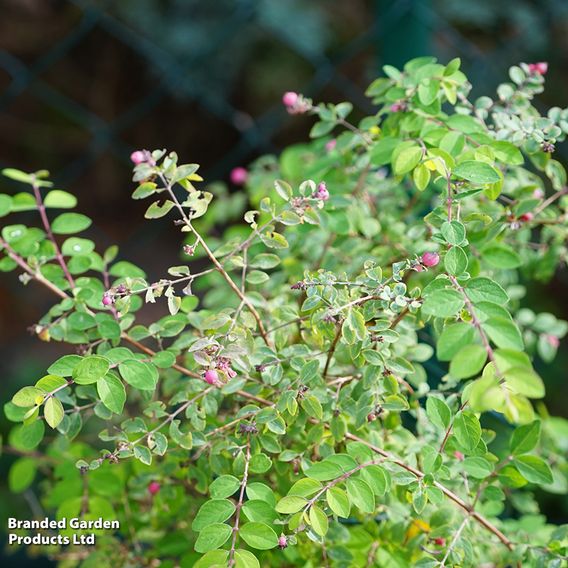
pixel 344 380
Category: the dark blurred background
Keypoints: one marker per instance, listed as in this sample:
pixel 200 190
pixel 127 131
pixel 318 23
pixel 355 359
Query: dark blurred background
pixel 84 83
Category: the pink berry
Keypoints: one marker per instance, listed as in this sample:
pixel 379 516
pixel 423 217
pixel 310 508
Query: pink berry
pixel 430 259
pixel 538 193
pixel 458 455
pixel 331 144
pixel 282 541
pixel 239 176
pixel 153 487
pixel 107 299
pixel 440 541
pixel 138 157
pixel 526 217
pixel 212 377
pixel 290 98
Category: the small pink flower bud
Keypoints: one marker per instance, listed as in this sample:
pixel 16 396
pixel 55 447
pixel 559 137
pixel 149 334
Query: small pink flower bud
pixel 107 299
pixel 538 193
pixel 138 157
pixel 553 341
pixel 239 176
pixel 153 487
pixel 539 68
pixel 322 192
pixel 440 541
pixel 526 217
pixel 458 455
pixel 212 377
pixel 430 259
pixel 290 98
pixel 331 144
pixel 282 541
pixel 397 107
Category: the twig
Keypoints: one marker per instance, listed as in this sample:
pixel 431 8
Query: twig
pixel 240 505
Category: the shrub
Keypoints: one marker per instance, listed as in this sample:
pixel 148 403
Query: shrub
pixel 347 379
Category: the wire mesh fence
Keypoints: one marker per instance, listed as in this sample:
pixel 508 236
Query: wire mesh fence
pixel 191 55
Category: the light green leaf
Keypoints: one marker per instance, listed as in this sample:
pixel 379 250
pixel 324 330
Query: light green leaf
pixel 53 411
pixel 213 511
pixel 224 486
pixel 525 438
pixel 468 362
pixel 291 504
pixel 213 537
pixel 533 469
pixel 69 223
pixel 259 536
pixel 477 172
pixel 112 392
pixel 360 495
pixel 90 370
pixel 467 430
pixel 455 261
pixel 443 303
pixel 438 412
pixel 318 520
pixel 338 502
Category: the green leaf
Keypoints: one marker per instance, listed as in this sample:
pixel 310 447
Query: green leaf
pixel 155 211
pixel 224 486
pixel 28 396
pixel 438 412
pixel 453 232
pixel 138 374
pixel 524 381
pixel 525 438
pixel 477 467
pixel 22 474
pixel 18 175
pixel 338 502
pixel 214 559
pixel 443 303
pixel 507 153
pixel 485 290
pixel 455 261
pixel 283 189
pixel 64 366
pixel 324 471
pixel 453 338
pixel 74 246
pixel 504 333
pixel 501 256
pixel 428 90
pixel 213 537
pixel 406 157
pixel 259 511
pixel 259 536
pixel 376 478
pixel 477 172
pixel 213 511
pixel 533 469
pixel 60 199
pixel 468 362
pixel 245 559
pixel 53 411
pixel 312 406
pixel 69 223
pixel 291 504
pixel 467 430
pixel 143 454
pixel 112 392
pixel 318 520
pixel 90 370
pixel 360 495
pixel 421 177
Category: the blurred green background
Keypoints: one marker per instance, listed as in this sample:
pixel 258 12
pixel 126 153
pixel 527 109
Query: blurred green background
pixel 84 83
